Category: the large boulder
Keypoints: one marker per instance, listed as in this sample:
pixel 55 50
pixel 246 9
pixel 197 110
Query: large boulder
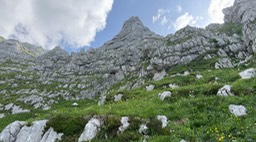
pixel 10 133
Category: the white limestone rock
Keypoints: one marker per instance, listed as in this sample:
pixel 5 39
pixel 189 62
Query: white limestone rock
pixel 90 130
pixel 172 86
pixel 163 120
pixel 224 63
pixel 2 115
pixel 150 87
pixel 165 94
pixel 118 97
pixel 159 75
pixel 249 73
pixel 51 136
pixel 125 124
pixel 237 110
pixel 102 100
pixel 199 76
pixel 225 91
pixel 32 133
pixel 9 134
pixel 143 129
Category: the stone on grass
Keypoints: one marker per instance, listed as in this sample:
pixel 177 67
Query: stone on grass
pixel 225 91
pixel 199 76
pixel 143 129
pixel 74 104
pixel 150 87
pixel 2 115
pixel 90 130
pixel 163 120
pixel 249 73
pixel 102 100
pixel 159 75
pixel 165 94
pixel 173 86
pixel 237 110
pixel 118 97
pixel 125 124
pixel 183 140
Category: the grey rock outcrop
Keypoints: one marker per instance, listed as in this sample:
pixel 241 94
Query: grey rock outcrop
pixel 18 131
pixel 10 133
pixel 90 130
pixel 51 136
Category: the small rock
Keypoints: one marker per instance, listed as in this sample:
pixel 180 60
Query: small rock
pixel 199 76
pixel 183 140
pixel 102 100
pixel 173 86
pixel 125 124
pixel 158 76
pixel 150 87
pixel 90 130
pixel 74 104
pixel 118 97
pixel 249 73
pixel 186 73
pixel 163 119
pixel 2 115
pixel 237 110
pixel 225 91
pixel 143 129
pixel 165 94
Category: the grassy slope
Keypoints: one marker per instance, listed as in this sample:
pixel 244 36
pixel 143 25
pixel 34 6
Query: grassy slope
pixel 194 111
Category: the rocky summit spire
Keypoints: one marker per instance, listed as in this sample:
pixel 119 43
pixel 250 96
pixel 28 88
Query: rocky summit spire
pixel 133 30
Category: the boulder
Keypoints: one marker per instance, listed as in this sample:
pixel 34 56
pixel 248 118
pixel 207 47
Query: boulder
pixel 143 129
pixel 2 115
pixel 173 86
pixel 90 130
pixel 165 94
pixel 249 73
pixel 225 91
pixel 224 63
pixel 237 110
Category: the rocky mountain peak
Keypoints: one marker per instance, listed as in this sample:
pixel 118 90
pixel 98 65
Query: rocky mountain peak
pixel 133 23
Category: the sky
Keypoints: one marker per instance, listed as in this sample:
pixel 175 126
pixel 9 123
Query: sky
pixel 90 23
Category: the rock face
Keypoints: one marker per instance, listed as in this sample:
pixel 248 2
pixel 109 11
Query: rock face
pixel 243 11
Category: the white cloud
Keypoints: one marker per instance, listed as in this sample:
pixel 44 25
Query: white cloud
pixel 184 20
pixel 48 22
pixel 161 17
pixel 215 10
pixel 179 8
